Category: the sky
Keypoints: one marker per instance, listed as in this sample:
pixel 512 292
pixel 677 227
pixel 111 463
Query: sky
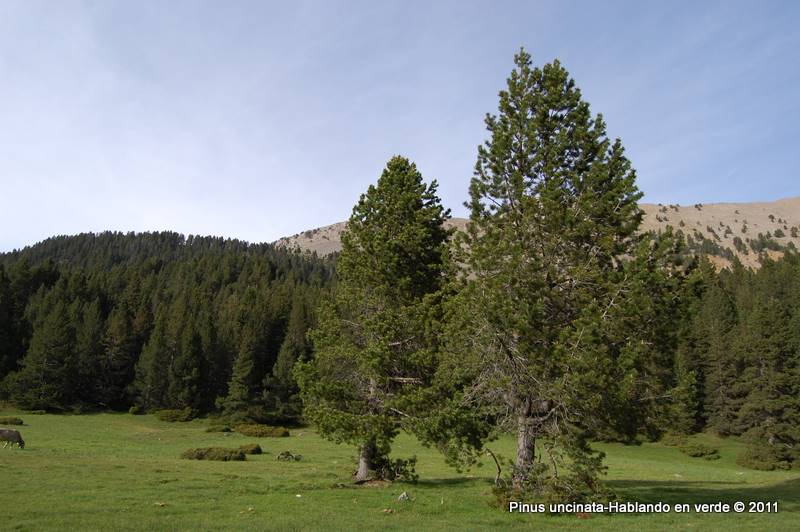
pixel 257 120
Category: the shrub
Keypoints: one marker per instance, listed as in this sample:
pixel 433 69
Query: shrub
pixel 262 431
pixel 10 421
pixel 699 450
pixel 218 428
pixel 288 456
pixel 251 448
pixel 81 409
pixel 762 458
pixel 136 410
pixel 185 414
pixel 764 242
pixel 673 439
pixel 572 486
pixel 214 453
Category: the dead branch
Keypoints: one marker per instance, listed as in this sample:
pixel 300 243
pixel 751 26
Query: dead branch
pixel 497 477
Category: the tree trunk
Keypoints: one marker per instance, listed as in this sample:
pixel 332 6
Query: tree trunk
pixel 526 440
pixel 366 455
pixel 365 458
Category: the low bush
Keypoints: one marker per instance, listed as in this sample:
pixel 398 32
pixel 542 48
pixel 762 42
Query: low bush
pixel 136 410
pixel 262 431
pixel 81 409
pixel 673 439
pixel 762 458
pixel 699 450
pixel 218 428
pixel 185 414
pixel 10 421
pixel 569 487
pixel 251 448
pixel 288 456
pixel 221 454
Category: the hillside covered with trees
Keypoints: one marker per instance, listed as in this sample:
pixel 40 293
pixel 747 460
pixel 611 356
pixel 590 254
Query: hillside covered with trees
pixel 156 320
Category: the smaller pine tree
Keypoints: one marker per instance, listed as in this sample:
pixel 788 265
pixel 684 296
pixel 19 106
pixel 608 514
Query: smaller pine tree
pixel 49 375
pixel 371 353
pixel 242 386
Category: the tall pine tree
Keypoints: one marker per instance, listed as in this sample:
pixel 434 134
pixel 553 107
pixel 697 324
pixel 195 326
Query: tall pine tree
pixel 553 213
pixel 370 345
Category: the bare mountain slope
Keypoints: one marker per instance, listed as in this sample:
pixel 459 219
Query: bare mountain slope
pixel 326 240
pixel 715 229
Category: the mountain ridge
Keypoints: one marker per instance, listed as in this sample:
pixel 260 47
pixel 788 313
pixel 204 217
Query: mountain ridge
pixel 746 230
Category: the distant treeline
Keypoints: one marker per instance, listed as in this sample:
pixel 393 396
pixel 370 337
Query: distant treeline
pixel 156 320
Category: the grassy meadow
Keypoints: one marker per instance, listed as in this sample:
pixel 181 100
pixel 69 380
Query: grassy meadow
pixel 123 472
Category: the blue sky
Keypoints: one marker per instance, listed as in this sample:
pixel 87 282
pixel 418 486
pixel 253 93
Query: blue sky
pixel 256 120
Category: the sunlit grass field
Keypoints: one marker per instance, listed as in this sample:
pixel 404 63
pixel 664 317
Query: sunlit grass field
pixel 123 472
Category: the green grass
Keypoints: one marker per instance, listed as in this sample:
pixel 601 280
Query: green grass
pixel 124 472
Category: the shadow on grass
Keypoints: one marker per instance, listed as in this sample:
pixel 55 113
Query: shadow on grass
pixel 453 481
pixel 787 493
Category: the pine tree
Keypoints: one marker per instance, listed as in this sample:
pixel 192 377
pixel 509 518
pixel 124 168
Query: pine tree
pixel 244 379
pixel 153 368
pixel 48 376
pixel 370 346
pixel 714 322
pixel 8 361
pixel 89 352
pixel 281 394
pixel 119 357
pixel 23 286
pixel 553 213
pixel 185 377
